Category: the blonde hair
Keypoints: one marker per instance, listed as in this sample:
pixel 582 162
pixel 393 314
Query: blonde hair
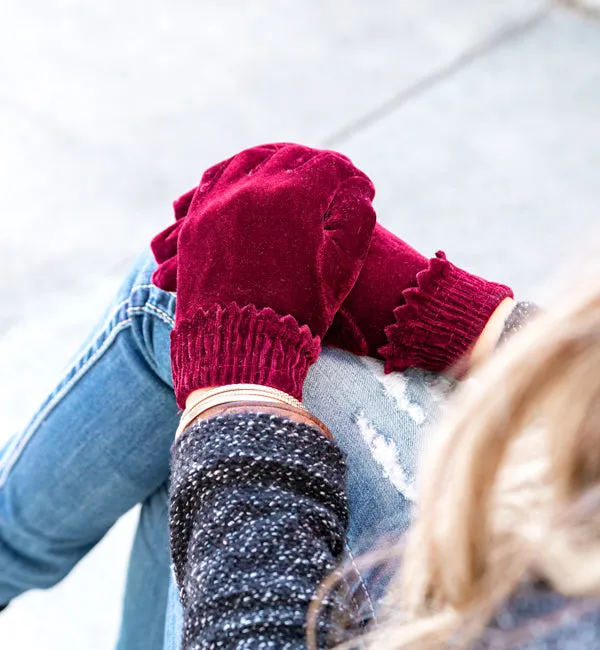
pixel 510 487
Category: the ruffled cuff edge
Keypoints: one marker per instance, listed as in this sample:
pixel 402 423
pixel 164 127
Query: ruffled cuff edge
pixel 241 345
pixel 440 318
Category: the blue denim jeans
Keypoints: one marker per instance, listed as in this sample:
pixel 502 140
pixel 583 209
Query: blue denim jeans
pixel 100 445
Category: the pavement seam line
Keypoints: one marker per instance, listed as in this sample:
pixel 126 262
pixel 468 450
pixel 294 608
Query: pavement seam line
pixel 580 8
pixel 421 86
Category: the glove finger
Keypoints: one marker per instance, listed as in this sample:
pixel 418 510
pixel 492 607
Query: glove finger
pixel 165 276
pixel 212 176
pixel 164 245
pixel 332 167
pixel 182 204
pixel 322 176
pixel 290 156
pixel 244 164
pixel 348 227
pixel 338 158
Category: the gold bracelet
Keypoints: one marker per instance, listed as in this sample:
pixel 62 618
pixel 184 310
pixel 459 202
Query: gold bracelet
pixel 254 389
pixel 235 393
pixel 283 410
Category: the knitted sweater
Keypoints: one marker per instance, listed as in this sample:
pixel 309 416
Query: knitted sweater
pixel 258 516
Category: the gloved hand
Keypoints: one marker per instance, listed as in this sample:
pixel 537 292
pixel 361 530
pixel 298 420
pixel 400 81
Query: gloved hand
pixel 404 308
pixel 412 311
pixel 272 242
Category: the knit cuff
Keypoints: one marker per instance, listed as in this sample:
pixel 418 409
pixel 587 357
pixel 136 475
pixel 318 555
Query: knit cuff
pixel 440 318
pixel 241 345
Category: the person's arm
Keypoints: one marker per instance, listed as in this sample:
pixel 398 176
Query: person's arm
pixel 258 511
pixel 258 517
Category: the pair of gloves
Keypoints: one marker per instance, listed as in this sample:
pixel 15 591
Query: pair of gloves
pixel 277 250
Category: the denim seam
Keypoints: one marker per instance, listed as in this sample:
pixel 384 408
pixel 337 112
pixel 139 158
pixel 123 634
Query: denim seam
pixel 106 326
pixel 362 582
pixel 142 286
pixel 159 313
pixel 14 454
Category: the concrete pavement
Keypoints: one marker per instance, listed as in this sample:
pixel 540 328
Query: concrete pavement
pixel 478 121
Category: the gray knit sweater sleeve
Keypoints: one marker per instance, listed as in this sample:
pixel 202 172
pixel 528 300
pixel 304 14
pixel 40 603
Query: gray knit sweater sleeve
pixel 258 518
pixel 538 618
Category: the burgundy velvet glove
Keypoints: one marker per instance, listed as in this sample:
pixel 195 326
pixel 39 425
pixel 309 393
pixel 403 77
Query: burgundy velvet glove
pixel 273 240
pixel 404 308
pixel 411 311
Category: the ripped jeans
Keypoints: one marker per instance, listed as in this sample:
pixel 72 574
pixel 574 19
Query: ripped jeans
pixel 100 444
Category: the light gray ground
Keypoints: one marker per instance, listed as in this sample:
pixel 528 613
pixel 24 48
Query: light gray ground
pixel 478 121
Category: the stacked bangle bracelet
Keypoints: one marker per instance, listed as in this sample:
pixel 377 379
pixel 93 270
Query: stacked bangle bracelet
pixel 244 397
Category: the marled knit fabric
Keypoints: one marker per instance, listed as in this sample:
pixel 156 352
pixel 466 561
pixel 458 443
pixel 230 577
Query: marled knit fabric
pixel 258 518
pixel 521 314
pixel 258 515
pixel 537 618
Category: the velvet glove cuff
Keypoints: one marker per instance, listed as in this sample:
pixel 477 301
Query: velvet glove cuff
pixel 412 311
pixel 273 240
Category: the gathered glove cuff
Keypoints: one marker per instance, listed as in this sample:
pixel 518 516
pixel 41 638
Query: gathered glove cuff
pixel 241 345
pixel 440 318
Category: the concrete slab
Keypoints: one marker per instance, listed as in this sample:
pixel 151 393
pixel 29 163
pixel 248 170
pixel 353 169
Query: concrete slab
pixel 498 163
pixel 593 6
pixel 84 611
pixel 110 110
